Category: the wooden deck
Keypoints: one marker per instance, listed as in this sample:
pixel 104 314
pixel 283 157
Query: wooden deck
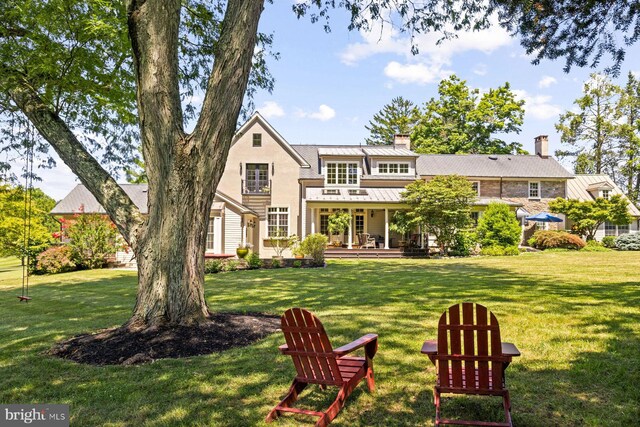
pixel 344 253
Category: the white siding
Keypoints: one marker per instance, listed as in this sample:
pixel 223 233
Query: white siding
pixel 232 231
pixel 125 258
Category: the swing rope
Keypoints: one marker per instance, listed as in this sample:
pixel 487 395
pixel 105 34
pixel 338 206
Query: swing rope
pixel 28 186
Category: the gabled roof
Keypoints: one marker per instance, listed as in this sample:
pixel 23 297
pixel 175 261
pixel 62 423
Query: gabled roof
pixel 578 188
pixel 257 118
pixel 81 198
pixel 603 185
pixel 491 166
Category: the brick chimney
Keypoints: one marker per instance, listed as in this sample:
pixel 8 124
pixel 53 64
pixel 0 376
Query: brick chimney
pixel 401 140
pixel 542 146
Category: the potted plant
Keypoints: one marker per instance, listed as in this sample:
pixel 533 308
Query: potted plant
pixel 338 222
pixel 279 242
pixel 401 223
pixel 243 250
pixel 294 246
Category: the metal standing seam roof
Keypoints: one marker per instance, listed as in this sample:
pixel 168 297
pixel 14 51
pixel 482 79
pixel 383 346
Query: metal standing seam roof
pixel 374 195
pixel 389 152
pixel 577 188
pixel 340 151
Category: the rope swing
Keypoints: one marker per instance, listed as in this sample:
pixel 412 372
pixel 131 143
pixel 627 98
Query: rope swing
pixel 28 187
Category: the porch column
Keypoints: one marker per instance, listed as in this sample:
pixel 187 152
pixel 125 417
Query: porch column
pixel 243 238
pixel 350 245
pixel 313 220
pixel 386 228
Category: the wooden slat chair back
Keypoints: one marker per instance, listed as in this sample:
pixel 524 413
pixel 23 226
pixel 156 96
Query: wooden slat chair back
pixel 309 347
pixel 470 358
pixel 316 362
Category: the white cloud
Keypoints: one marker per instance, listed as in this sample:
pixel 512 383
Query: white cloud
pixel 415 73
pixel 271 109
pixel 547 81
pixel 480 69
pixel 433 58
pixel 538 106
pixel 323 114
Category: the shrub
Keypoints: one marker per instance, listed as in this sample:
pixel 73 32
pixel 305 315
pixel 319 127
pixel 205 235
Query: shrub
pixel 464 242
pixel 230 265
pixel 609 241
pixel 500 250
pixel 92 239
pixel 595 246
pixel 253 261
pixel 212 266
pixel 314 246
pixel 275 263
pixel 56 259
pixel 297 264
pixel 498 226
pixel 628 242
pixel 546 239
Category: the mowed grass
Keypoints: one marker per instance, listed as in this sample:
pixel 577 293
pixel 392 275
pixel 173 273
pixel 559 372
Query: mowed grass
pixel 574 316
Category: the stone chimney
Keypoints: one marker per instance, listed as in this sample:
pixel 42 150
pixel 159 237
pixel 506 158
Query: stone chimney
pixel 401 140
pixel 542 146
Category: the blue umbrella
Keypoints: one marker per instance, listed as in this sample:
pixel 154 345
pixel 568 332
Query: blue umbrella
pixel 543 217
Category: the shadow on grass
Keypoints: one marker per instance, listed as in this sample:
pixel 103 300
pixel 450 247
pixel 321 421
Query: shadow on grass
pixel 559 380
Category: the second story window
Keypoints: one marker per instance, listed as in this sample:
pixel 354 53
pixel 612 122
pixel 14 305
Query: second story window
pixel 393 168
pixel 476 187
pixel 342 173
pixel 257 140
pixel 534 190
pixel 257 178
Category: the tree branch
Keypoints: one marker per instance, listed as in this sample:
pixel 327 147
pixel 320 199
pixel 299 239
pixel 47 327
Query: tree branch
pixel 110 195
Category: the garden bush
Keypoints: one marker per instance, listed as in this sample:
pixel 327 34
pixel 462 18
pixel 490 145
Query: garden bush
pixel 547 239
pixel 314 245
pixel 595 246
pixel 609 241
pixel 464 243
pixel 275 263
pixel 230 265
pixel 253 261
pixel 500 250
pixel 498 226
pixel 92 238
pixel 297 264
pixel 628 242
pixel 56 259
pixel 212 266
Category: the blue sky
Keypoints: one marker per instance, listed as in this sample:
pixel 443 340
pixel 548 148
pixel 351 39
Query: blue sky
pixel 328 86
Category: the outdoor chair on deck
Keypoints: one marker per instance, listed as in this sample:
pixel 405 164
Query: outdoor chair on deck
pixel 470 358
pixel 316 362
pixel 366 241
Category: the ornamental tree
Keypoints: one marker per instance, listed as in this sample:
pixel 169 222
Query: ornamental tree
pixel 498 226
pixel 442 205
pixel 588 216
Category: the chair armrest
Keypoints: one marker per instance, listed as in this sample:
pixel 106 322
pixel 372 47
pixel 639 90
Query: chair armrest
pixel 360 342
pixel 283 348
pixel 429 347
pixel 509 349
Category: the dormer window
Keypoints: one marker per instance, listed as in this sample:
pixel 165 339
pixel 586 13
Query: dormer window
pixel 605 194
pixel 393 168
pixel 342 173
pixel 257 140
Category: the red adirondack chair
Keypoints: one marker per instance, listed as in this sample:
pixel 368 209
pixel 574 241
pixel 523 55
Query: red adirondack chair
pixel 470 358
pixel 316 362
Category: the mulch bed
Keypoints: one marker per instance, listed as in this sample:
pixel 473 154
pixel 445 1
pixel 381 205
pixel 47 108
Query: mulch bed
pixel 119 346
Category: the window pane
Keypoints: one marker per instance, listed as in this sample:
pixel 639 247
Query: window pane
pixel 257 140
pixel 331 173
pixel 382 168
pixel 353 173
pixel 210 237
pixel 404 168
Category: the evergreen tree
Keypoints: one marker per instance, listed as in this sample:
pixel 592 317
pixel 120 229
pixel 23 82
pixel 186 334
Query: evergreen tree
pixel 629 137
pixel 400 116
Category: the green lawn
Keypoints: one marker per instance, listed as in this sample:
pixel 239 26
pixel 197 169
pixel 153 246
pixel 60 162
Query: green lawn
pixel 574 316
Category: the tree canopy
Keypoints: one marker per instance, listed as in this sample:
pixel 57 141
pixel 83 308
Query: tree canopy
pixel 463 121
pixel 397 117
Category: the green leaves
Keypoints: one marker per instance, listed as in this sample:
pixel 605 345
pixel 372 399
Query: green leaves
pixel 398 117
pixel 461 121
pixel 498 226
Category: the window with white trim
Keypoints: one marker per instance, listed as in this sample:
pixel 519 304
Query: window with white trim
pixel 605 194
pixel 257 140
pixel 615 230
pixel 277 222
pixel 342 173
pixel 534 190
pixel 393 168
pixel 210 236
pixel 476 187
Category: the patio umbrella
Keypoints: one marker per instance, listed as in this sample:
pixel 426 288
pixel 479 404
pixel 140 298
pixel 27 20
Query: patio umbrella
pixel 544 217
